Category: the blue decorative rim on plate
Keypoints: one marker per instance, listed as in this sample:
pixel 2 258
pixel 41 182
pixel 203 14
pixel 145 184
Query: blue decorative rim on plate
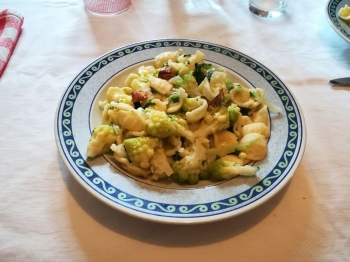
pixel 151 209
pixel 338 25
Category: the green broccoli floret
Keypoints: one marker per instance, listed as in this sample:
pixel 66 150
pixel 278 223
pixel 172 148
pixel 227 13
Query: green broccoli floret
pixel 140 150
pixel 190 104
pixel 175 98
pixel 189 84
pixel 102 138
pixel 223 170
pixel 159 124
pixel 200 71
pixel 229 84
pixel 233 112
pixel 191 166
pixel 227 99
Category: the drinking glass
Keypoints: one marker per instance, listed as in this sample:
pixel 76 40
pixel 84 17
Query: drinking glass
pixel 268 8
pixel 107 7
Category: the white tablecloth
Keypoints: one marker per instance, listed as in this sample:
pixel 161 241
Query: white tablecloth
pixel 45 215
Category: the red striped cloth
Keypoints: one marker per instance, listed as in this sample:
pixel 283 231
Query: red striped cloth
pixel 10 28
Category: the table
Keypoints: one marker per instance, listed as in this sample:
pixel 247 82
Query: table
pixel 45 215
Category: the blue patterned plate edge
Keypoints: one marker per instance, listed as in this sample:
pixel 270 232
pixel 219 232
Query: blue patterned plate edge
pixel 186 220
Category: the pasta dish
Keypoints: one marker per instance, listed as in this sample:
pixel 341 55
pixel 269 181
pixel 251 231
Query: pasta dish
pixel 183 119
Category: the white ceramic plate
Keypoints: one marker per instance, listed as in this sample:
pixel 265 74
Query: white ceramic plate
pixel 77 114
pixel 332 10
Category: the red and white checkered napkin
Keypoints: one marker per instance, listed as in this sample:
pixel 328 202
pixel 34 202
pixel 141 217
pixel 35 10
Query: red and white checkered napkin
pixel 10 27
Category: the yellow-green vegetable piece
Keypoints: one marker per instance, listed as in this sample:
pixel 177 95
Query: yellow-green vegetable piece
pixel 190 104
pixel 102 138
pixel 223 170
pixel 140 150
pixel 189 168
pixel 159 124
pixel 233 112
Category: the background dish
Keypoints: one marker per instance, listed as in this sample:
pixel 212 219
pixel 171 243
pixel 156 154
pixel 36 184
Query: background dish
pixel 77 113
pixel 338 24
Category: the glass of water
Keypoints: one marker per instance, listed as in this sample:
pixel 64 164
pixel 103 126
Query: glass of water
pixel 106 7
pixel 268 8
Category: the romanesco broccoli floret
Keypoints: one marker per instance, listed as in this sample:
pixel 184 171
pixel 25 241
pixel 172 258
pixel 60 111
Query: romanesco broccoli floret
pixel 182 127
pixel 159 124
pixel 190 85
pixel 214 122
pixel 223 170
pixel 191 166
pixel 102 138
pixel 233 112
pixel 190 104
pixel 140 150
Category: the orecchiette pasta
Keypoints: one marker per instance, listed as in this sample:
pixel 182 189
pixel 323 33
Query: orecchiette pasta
pixel 241 97
pixel 198 113
pixel 258 149
pixel 130 79
pixel 160 164
pixel 217 80
pixel 172 145
pixel 259 128
pixel 131 120
pixel 197 58
pixel 164 58
pixel 262 116
pixel 207 91
pixel 225 138
pixel 160 85
pixel 177 117
pixel 239 124
pixel 159 105
pixel 174 107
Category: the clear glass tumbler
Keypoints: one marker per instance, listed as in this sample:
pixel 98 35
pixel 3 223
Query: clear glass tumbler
pixel 107 7
pixel 268 8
